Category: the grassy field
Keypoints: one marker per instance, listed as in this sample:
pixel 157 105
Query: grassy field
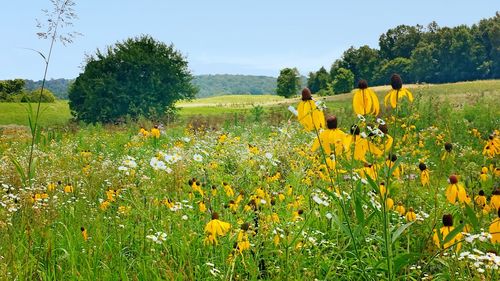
pixel 456 93
pixel 248 198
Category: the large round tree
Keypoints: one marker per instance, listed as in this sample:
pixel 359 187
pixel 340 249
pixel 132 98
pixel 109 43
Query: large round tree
pixel 137 77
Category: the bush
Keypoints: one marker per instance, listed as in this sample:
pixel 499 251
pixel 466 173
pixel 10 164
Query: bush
pixel 343 81
pixel 137 77
pixel 33 96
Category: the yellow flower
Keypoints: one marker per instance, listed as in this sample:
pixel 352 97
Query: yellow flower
pixel 228 189
pixel 424 175
pixel 481 199
pixel 104 205
pixel 410 215
pixel 495 229
pixel 495 200
pixel 202 207
pixel 51 186
pixel 309 115
pixel 217 227
pixel 455 191
pixel 397 92
pixel 68 188
pixel 365 101
pixel 124 210
pixel 401 209
pixel 444 231
pixel 331 138
pixel 84 233
pixel 389 203
pixel 155 132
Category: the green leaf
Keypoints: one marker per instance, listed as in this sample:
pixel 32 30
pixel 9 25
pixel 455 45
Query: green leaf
pixel 19 170
pixel 453 233
pixel 402 260
pixel 360 215
pixel 399 231
pixel 471 217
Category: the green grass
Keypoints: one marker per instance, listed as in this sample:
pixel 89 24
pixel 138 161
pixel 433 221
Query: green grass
pixel 458 94
pixel 51 113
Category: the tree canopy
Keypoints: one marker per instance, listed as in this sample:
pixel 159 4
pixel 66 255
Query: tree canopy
pixel 432 54
pixel 137 77
pixel 288 82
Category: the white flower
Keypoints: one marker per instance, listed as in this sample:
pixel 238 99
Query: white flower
pixel 269 155
pixel 157 164
pixel 122 168
pixel 197 157
pixel 380 121
pixel 329 216
pixel 186 139
pixel 293 110
pixel 363 135
pixel 361 118
pixel 184 217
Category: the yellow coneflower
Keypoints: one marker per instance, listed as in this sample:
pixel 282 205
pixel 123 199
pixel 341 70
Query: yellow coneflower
pixel 397 92
pixel 196 186
pixel 330 138
pixel 401 209
pixel 480 199
pixel 388 140
pixel 494 229
pixel 382 189
pixel 424 174
pixel 68 188
pixel 365 101
pixel 311 117
pixel 214 190
pixel 448 147
pixel 455 191
pixel 495 199
pixel 215 228
pixel 492 147
pixel 296 215
pixel 484 174
pixel 104 205
pixel 445 230
pixel 389 203
pixel 222 138
pixel 84 233
pixel 51 187
pixel 228 189
pixel 202 207
pixel 390 162
pixel 155 132
pixel 410 215
pixel 361 145
pixel 144 132
pixel 242 239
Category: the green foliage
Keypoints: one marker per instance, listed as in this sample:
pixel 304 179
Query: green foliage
pixel 225 84
pixel 139 76
pixel 59 87
pixel 318 81
pixel 433 54
pixel 10 88
pixel 288 82
pixel 34 96
pixel 343 81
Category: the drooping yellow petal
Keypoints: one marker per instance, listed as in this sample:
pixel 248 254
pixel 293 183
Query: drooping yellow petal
pixel 375 105
pixel 409 94
pixel 394 98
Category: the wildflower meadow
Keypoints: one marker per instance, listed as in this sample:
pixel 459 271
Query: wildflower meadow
pixel 406 189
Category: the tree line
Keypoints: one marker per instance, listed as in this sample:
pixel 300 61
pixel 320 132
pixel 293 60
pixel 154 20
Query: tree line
pixel 430 54
pixel 15 90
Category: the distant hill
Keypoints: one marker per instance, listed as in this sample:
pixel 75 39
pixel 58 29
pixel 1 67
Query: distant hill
pixel 225 84
pixel 57 86
pixel 209 85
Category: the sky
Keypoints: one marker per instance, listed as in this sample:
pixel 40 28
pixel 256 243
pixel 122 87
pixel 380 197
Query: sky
pixel 253 37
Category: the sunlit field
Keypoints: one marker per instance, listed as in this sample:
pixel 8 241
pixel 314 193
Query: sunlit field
pixel 242 195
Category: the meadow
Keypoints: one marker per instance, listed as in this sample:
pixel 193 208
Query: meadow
pixel 232 190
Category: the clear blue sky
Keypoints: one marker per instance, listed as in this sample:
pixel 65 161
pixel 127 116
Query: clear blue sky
pixel 223 36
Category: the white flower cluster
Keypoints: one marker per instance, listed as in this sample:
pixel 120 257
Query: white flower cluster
pixel 214 271
pixel 158 237
pixel 470 238
pixel 320 198
pixel 321 105
pixel 127 164
pixel 375 131
pixel 374 200
pixel 157 164
pixel 481 261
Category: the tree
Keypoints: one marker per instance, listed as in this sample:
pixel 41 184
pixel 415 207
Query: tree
pixel 137 77
pixel 343 81
pixel 288 82
pixel 399 41
pixel 8 88
pixel 399 65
